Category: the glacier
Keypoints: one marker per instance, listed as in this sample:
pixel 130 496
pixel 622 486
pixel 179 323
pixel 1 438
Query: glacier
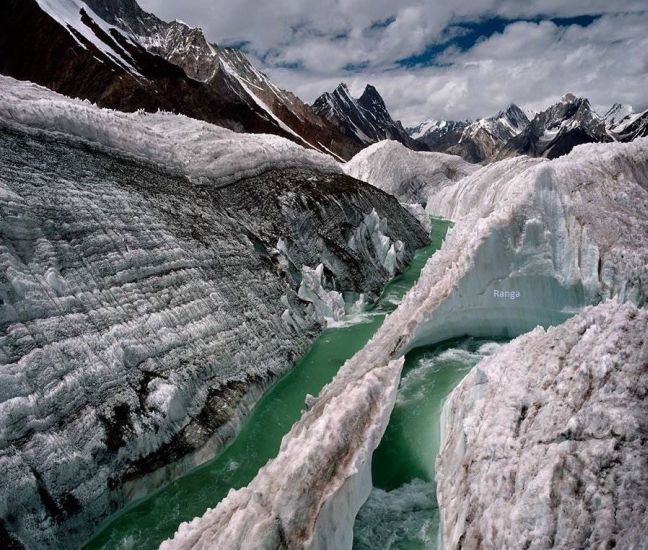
pixel 150 268
pixel 544 441
pixel 564 233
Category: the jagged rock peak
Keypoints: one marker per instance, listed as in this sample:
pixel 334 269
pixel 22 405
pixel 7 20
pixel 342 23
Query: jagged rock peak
pixel 366 118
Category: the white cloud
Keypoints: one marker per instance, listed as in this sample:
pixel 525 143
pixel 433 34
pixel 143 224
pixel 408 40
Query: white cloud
pixel 529 63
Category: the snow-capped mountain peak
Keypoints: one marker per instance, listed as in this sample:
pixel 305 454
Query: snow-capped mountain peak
pixel 617 113
pixel 556 130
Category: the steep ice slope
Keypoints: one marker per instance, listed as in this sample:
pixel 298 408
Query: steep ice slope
pixel 544 442
pixel 143 310
pixel 548 237
pixel 412 177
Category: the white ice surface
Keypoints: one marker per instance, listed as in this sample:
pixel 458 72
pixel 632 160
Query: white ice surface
pixel 411 176
pixel 205 152
pixel 544 442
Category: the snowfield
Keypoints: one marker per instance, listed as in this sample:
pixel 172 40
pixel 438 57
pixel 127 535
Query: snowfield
pixel 204 152
pixel 563 234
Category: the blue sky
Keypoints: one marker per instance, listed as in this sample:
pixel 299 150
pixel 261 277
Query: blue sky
pixel 442 58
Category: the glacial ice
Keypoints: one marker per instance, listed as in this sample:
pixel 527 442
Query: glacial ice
pixel 327 304
pixel 204 152
pixel 544 442
pixel 564 233
pixel 321 477
pixel 412 177
pixel 143 315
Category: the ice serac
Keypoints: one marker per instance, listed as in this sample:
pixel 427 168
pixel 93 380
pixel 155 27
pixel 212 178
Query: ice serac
pixel 149 293
pixel 412 177
pixel 544 443
pixel 541 230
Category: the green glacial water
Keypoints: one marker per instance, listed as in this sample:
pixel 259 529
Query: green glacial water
pixel 145 523
pixel 401 512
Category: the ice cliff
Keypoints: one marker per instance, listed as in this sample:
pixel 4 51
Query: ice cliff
pixel 145 305
pixel 545 441
pixel 534 242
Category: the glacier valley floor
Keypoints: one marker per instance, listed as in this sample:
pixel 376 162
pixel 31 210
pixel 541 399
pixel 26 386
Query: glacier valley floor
pixel 147 522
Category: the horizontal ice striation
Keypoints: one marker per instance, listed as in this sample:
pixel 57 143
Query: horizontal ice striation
pixel 204 152
pixel 142 315
pixel 545 441
pixel 412 177
pixel 549 238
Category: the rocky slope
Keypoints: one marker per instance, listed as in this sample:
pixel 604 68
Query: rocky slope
pixel 628 127
pixel 533 226
pixel 556 456
pixel 149 293
pixel 117 55
pixel 365 119
pixel 482 139
pixel 439 135
pixel 188 48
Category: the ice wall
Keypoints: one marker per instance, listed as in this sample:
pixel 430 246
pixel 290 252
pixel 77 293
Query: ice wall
pixel 555 235
pixel 309 495
pixel 412 177
pixel 544 442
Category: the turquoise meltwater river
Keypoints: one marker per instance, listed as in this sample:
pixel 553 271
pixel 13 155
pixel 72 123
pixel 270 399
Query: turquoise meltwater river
pixel 401 512
pixel 145 523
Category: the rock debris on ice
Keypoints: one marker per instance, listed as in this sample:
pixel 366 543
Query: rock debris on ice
pixel 143 315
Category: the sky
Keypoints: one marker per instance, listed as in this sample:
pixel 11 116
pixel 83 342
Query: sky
pixel 440 59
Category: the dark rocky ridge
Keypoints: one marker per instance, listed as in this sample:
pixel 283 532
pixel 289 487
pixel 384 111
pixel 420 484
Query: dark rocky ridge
pixel 557 130
pixel 145 313
pixel 189 49
pixel 37 48
pixel 365 119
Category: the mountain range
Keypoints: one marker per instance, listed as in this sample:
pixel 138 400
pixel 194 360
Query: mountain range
pixel 365 119
pixel 119 56
pixel 550 133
